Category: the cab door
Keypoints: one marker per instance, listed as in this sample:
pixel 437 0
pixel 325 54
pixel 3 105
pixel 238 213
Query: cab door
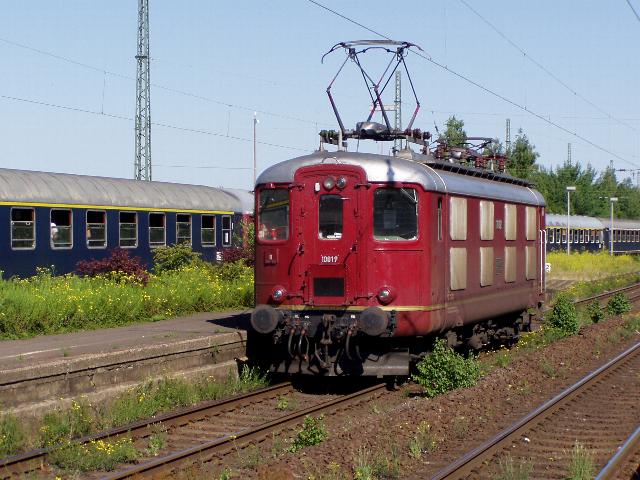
pixel 331 233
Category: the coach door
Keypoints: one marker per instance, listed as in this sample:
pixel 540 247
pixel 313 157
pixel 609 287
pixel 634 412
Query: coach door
pixel 331 231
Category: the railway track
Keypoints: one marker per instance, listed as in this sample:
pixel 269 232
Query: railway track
pixel 599 411
pixel 632 292
pixel 207 432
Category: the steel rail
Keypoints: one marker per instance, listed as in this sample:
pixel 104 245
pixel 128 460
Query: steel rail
pixel 170 462
pixel 462 467
pixel 35 459
pixel 614 466
pixel 607 294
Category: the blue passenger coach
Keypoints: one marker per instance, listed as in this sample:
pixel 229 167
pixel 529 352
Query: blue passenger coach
pixel 54 219
pixel 585 233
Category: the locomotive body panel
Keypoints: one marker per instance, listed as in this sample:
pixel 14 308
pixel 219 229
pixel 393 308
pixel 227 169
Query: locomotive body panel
pixel 375 250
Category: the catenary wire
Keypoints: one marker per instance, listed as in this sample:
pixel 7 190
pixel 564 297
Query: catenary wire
pixel 634 10
pixel 483 88
pixel 158 86
pixel 159 124
pixel 545 69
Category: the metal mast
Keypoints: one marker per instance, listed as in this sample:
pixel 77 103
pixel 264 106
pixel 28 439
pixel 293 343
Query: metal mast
pixel 569 153
pixel 507 138
pixel 142 163
pixel 398 110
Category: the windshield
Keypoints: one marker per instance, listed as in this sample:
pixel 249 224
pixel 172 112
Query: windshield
pixel 395 214
pixel 330 217
pixel 273 214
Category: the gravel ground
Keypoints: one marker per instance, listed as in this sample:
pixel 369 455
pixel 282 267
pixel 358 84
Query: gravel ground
pixel 378 434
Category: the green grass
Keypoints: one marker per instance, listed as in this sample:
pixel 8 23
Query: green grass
pixel 590 266
pixel 46 304
pixel 62 426
pixel 95 455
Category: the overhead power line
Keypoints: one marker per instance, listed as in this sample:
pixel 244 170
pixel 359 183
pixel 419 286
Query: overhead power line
pixel 481 87
pixel 543 68
pixel 162 87
pixel 634 10
pixel 159 124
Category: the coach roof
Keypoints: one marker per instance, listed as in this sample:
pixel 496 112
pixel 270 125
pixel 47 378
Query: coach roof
pixel 575 221
pixel 22 186
pixel 381 168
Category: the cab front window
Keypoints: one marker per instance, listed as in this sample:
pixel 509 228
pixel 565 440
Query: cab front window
pixel 273 214
pixel 395 214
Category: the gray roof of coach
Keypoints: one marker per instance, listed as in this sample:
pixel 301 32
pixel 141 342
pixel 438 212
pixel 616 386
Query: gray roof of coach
pixel 576 221
pixel 61 188
pixel 381 168
pixel 621 223
pixel 244 197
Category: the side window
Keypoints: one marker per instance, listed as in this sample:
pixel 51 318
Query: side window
pixel 564 235
pixel 23 228
pixel 208 231
pixel 457 268
pixel 581 236
pixel 183 228
pixel 486 220
pixel 510 222
pixel 226 231
pixel 330 217
pixel 551 235
pixel 96 229
pixel 458 218
pixel 128 229
pixel 61 228
pixel 395 214
pixel 157 229
pixel 531 223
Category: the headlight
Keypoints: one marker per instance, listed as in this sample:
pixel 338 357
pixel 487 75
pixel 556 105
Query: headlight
pixel 386 295
pixel 341 182
pixel 329 183
pixel 278 294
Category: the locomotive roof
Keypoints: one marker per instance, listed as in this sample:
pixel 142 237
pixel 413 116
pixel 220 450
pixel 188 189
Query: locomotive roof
pixel 383 168
pixel 576 221
pixel 23 186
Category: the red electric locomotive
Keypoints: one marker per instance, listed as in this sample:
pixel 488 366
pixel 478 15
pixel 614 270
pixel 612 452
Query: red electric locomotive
pixel 362 258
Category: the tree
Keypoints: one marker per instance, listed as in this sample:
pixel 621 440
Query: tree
pixel 522 157
pixel 454 135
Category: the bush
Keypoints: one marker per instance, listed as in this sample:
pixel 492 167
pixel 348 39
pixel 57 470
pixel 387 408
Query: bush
pixel 119 265
pixel 243 235
pixel 618 304
pixel 563 315
pixel 175 257
pixel 312 433
pixel 444 370
pixel 595 311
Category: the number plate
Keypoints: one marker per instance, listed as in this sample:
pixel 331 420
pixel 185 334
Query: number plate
pixel 329 258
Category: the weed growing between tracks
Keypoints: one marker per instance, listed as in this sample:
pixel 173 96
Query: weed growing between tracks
pixel 508 469
pixel 582 466
pixel 95 455
pixel 47 304
pixel 11 435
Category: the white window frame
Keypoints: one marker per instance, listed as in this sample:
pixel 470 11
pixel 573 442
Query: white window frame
pixel 164 229
pixel 86 223
pixel 66 247
pixel 35 226
pixel 137 223
pixel 208 244
pixel 190 242
pixel 230 231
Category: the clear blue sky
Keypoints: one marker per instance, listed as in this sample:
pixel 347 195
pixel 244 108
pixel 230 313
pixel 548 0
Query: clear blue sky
pixel 265 56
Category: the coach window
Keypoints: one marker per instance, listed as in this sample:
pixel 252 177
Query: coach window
pixel 551 236
pixel 531 223
pixel 183 228
pixel 330 217
pixel 96 229
pixel 226 230
pixel 486 220
pixel 581 236
pixel 395 214
pixel 157 229
pixel 458 218
pixel 23 228
pixel 208 231
pixel 510 222
pixel 564 235
pixel 61 229
pixel 273 214
pixel 128 229
pixel 558 235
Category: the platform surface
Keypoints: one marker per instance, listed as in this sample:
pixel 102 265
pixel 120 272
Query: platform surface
pixel 18 354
